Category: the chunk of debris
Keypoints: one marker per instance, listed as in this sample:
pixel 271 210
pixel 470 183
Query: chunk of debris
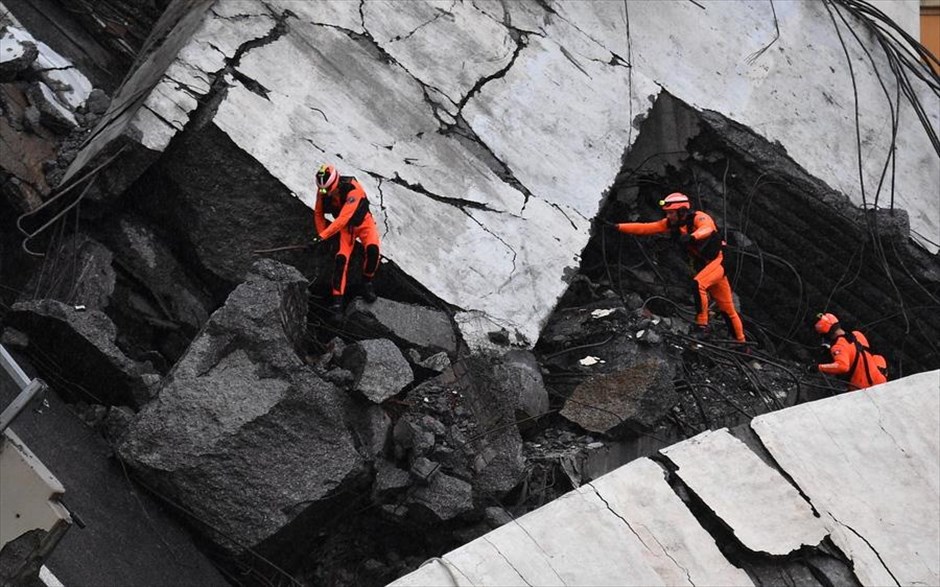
pixel 630 400
pixel 378 367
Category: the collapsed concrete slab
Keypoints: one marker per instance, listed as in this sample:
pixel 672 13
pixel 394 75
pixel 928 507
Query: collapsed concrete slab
pixel 493 165
pixel 868 463
pixel 764 511
pixel 243 431
pixel 627 528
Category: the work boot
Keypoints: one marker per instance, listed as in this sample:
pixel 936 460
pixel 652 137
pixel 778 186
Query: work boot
pixel 368 292
pixel 336 307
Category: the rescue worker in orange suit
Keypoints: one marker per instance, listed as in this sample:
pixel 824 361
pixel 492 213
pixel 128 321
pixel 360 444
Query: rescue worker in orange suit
pixel 851 357
pixel 697 233
pixel 344 199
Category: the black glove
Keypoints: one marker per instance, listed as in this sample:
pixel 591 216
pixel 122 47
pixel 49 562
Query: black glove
pixel 686 239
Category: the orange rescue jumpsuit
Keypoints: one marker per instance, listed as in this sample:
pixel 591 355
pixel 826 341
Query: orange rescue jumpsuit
pixel 349 206
pixel 862 369
pixel 705 252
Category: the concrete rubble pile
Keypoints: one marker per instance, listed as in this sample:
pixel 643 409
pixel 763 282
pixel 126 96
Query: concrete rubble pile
pixel 519 349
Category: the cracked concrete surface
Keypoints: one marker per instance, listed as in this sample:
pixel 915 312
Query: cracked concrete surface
pixel 525 108
pixel 867 461
pixel 763 510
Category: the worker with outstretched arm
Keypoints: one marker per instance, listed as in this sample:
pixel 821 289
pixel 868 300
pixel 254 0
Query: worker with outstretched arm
pixel 697 234
pixel 344 198
pixel 852 359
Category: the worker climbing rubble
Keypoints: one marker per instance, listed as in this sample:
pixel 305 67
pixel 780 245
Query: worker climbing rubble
pixel 851 357
pixel 344 198
pixel 697 233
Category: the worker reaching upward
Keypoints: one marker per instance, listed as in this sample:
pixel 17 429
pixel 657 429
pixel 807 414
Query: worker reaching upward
pixel 343 198
pixel 851 357
pixel 697 233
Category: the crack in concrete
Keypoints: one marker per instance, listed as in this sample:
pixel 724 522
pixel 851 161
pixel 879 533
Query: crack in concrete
pixel 688 575
pixel 515 254
pixel 162 119
pixel 547 557
pixel 440 14
pixel 456 202
pixel 185 87
pixel 509 562
pixel 388 227
pixel 614 56
pixel 869 544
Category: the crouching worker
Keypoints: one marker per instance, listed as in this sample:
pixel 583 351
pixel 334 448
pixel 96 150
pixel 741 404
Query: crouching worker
pixel 343 198
pixel 697 234
pixel 851 357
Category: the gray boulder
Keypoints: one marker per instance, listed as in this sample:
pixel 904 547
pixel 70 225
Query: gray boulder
pixel 629 400
pixel 443 499
pixel 243 431
pixel 86 276
pixel 79 346
pixel 378 367
pixel 521 378
pixel 406 324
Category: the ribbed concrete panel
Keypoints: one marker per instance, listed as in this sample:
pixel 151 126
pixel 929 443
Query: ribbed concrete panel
pixel 868 462
pixel 764 511
pixel 627 528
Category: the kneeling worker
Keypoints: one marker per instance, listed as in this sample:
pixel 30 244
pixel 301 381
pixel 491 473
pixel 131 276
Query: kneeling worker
pixel 697 234
pixel 851 357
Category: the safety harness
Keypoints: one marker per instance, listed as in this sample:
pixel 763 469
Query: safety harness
pixel 863 352
pixel 345 186
pixel 706 249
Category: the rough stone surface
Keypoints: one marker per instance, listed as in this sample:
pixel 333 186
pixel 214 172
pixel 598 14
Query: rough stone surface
pixel 86 276
pixel 243 431
pixel 443 499
pixel 764 511
pixel 407 324
pixel 521 376
pixel 629 400
pixel 80 346
pixel 379 369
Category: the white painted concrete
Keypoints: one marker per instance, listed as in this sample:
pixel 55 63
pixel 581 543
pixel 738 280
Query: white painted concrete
pixel 372 89
pixel 869 461
pixel 626 528
pixel 764 511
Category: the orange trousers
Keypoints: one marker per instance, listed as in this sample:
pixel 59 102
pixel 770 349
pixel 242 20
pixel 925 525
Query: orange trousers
pixel 712 280
pixel 368 234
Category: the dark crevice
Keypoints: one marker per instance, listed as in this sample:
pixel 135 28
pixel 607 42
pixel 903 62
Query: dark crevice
pixel 763 568
pixel 869 544
pixel 456 202
pixel 210 102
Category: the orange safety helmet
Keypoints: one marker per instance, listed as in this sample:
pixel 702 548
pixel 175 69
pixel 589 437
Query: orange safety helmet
pixel 675 201
pixel 327 178
pixel 825 323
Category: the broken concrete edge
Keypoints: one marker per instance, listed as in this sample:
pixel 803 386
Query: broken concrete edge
pixel 123 120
